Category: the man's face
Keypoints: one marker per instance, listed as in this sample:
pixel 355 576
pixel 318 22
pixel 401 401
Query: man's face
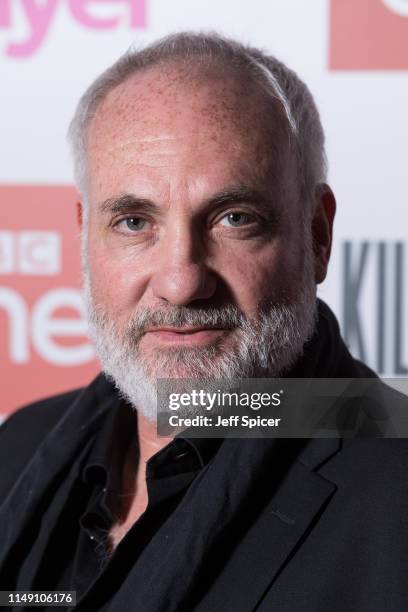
pixel 195 244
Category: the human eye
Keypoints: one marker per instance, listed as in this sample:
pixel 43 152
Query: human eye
pixel 236 219
pixel 132 225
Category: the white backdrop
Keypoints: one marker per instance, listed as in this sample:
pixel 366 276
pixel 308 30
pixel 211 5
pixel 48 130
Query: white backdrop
pixel 49 53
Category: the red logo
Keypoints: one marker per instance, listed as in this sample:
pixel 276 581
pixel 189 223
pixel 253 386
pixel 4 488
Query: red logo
pixel 44 348
pixel 369 35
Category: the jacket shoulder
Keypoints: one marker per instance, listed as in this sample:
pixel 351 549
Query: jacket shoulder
pixel 24 430
pixel 371 469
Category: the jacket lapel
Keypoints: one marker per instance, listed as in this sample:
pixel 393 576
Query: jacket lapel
pixel 49 465
pixel 261 497
pixel 272 540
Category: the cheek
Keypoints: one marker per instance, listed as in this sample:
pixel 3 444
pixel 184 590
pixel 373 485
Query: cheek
pixel 259 277
pixel 116 282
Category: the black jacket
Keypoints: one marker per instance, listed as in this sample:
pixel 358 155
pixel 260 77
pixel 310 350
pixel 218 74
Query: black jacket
pixel 322 526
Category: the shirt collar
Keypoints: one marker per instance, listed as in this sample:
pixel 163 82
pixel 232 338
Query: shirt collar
pixel 118 431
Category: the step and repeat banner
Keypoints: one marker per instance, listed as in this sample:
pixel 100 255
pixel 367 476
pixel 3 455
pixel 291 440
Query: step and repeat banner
pixel 354 56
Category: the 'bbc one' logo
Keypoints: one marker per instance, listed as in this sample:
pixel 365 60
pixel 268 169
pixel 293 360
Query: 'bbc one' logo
pixel 368 35
pixel 38 254
pixel 30 252
pixel 44 346
pixel 29 22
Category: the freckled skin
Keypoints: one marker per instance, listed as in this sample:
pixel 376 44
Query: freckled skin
pixel 177 141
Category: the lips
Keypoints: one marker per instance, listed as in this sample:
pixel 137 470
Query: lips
pixel 181 330
pixel 184 335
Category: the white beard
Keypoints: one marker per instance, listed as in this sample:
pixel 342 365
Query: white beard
pixel 263 347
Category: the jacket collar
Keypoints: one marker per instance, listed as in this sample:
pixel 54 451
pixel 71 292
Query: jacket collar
pixel 291 493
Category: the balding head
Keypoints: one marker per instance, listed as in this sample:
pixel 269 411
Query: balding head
pixel 212 57
pixel 208 112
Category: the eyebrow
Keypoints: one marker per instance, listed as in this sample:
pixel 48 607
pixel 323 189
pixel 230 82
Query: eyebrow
pixel 128 203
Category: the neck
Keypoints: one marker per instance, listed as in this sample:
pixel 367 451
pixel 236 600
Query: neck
pixel 149 442
pixel 133 499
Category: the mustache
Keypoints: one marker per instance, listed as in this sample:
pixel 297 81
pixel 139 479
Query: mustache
pixel 227 317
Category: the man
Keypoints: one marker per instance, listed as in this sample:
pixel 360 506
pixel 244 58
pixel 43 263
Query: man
pixel 206 226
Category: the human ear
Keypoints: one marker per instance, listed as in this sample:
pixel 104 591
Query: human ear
pixel 322 229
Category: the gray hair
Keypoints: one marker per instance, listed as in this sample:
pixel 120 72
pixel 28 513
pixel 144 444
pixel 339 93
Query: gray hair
pixel 278 80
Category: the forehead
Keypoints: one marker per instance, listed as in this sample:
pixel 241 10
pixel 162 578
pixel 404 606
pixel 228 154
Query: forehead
pixel 165 118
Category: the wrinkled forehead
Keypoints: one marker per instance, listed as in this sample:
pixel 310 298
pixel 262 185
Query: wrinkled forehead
pixel 204 110
pixel 168 92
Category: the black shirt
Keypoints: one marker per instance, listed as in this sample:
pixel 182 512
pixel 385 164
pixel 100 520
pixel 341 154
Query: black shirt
pixel 92 569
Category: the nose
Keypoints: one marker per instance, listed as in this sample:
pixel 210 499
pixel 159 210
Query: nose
pixel 183 276
pixel 182 284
